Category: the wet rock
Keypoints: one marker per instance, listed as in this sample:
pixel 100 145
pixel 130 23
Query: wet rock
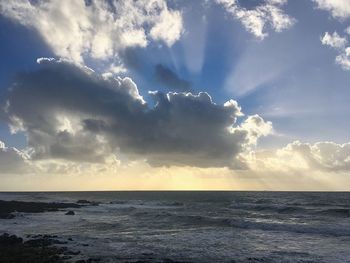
pixel 70 213
pixel 9 240
pixel 6 216
pixel 8 207
pixel 83 201
pixel 42 249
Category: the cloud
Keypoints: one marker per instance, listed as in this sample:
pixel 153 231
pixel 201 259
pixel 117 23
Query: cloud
pixel 340 44
pixel 256 127
pixel 298 156
pixel 338 8
pixel 96 29
pixel 12 160
pixel 334 40
pixel 257 20
pixel 69 112
pixel 170 79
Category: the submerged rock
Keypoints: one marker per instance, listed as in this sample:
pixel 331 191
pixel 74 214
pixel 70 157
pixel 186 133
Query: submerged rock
pixel 7 208
pixel 70 213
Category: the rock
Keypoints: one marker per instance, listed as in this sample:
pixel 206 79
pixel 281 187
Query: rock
pixel 8 207
pixel 6 216
pixel 41 249
pixel 70 213
pixel 7 240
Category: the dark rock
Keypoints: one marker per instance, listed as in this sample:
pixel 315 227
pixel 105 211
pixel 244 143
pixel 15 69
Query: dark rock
pixel 83 201
pixel 6 216
pixel 70 213
pixel 44 242
pixel 8 207
pixel 41 249
pixel 9 240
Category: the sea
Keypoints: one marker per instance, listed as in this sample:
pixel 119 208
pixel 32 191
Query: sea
pixel 195 226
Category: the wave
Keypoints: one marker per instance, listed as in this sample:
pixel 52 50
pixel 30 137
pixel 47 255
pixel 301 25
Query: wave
pixel 269 207
pixel 338 212
pixel 320 229
pixel 294 228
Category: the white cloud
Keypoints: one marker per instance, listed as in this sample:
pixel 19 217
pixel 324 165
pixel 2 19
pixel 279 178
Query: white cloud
pixel 256 127
pixel 338 8
pixel 304 157
pixel 257 20
pixel 75 29
pixel 334 40
pixel 344 59
pixel 340 44
pixel 168 27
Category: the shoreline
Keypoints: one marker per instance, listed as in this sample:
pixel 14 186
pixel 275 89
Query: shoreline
pixel 39 247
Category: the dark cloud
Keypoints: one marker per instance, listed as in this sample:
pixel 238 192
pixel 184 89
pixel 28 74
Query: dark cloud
pixel 170 79
pixel 70 112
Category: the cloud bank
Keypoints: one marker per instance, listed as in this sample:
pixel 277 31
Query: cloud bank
pixel 298 156
pixel 70 112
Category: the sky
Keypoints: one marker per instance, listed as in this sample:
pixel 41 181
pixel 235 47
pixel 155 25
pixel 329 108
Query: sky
pixel 174 95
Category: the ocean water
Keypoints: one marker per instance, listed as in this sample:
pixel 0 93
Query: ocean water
pixel 196 226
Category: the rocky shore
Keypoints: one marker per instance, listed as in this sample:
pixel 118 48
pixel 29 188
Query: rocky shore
pixel 37 248
pixel 48 248
pixel 7 208
pixel 41 248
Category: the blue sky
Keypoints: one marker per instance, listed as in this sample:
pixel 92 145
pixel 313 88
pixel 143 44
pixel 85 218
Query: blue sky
pixel 289 77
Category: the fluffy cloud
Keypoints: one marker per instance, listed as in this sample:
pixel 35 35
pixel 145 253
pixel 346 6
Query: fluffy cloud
pixel 70 112
pixel 256 21
pixel 334 40
pixel 256 127
pixel 338 43
pixel 96 29
pixel 338 8
pixel 298 156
